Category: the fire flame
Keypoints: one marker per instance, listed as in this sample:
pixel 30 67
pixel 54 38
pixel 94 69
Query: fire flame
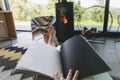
pixel 64 19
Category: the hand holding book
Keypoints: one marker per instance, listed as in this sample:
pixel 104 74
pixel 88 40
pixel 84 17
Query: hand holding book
pixel 69 76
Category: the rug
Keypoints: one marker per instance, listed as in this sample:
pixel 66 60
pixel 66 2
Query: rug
pixel 9 57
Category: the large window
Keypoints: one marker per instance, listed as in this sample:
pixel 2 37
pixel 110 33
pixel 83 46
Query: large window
pixel 87 13
pixel 90 14
pixel 115 10
pixel 24 10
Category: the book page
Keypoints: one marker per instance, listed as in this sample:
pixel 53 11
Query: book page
pixel 77 54
pixel 41 58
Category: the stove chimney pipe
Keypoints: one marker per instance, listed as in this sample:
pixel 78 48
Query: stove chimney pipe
pixel 59 1
pixel 62 1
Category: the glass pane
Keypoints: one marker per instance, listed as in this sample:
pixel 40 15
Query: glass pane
pixel 25 10
pixel 115 11
pixel 90 14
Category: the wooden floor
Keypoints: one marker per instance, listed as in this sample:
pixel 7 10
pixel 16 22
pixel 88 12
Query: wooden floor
pixel 109 51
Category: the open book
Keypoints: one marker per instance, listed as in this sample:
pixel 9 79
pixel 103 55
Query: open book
pixel 75 53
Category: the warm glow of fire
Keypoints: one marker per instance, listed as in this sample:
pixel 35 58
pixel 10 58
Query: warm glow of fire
pixel 64 19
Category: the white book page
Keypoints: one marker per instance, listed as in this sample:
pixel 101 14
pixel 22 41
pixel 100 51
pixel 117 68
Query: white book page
pixel 41 58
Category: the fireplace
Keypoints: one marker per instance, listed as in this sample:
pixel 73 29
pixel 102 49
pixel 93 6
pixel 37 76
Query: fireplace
pixel 64 20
